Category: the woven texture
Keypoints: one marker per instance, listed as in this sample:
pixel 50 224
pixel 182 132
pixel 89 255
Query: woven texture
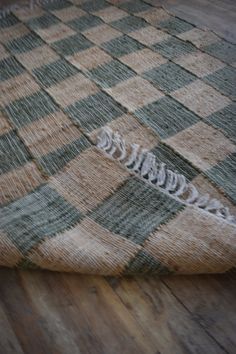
pixel 69 68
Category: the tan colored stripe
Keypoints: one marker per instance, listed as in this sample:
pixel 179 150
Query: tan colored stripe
pixel 89 58
pixel 3 52
pixel 149 35
pixel 73 89
pixel 132 131
pixel 4 125
pixel 10 255
pixel 55 33
pixel 13 32
pixel 69 13
pixel 49 133
pixel 19 182
pixel 101 34
pixel 37 57
pixel 89 179
pixel 17 87
pixel 87 248
pixel 24 13
pixel 194 242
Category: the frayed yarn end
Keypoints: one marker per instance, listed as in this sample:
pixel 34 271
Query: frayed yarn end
pixel 145 164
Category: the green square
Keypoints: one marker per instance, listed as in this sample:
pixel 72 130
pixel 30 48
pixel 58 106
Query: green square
pixel 173 48
pixel 122 45
pixel 25 43
pixel 52 73
pixel 223 80
pixel 55 4
pixel 174 161
pixel 143 264
pixel 222 50
pixel 94 111
pixel 42 22
pixel 9 67
pixel 8 21
pixel 94 5
pixel 166 116
pixel 71 45
pixel 129 24
pixel 135 210
pixel 30 108
pixel 223 175
pixel 56 160
pixel 12 152
pixel 84 22
pixel 135 6
pixel 175 26
pixel 169 77
pixel 37 216
pixel 225 120
pixel 110 74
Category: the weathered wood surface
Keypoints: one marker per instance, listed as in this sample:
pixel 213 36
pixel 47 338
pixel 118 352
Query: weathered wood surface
pixel 46 312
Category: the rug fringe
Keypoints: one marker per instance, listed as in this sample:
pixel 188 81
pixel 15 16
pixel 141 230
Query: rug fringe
pixel 145 164
pixel 6 10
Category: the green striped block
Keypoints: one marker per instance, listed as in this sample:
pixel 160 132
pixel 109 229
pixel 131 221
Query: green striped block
pixel 166 116
pixel 40 214
pixel 169 77
pixel 30 108
pixel 122 45
pixel 84 22
pixel 43 22
pixel 135 210
pixel 173 48
pixel 225 120
pixel 71 45
pixel 222 50
pixel 95 111
pixel 175 26
pixel 135 6
pixel 92 6
pixel 13 153
pixel 25 43
pixel 144 264
pixel 110 74
pixel 52 73
pixel 10 67
pixel 223 80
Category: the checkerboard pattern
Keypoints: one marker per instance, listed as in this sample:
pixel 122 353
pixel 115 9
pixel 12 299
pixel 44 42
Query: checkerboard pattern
pixel 69 68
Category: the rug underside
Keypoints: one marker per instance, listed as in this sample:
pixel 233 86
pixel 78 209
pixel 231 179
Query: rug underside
pixel 67 70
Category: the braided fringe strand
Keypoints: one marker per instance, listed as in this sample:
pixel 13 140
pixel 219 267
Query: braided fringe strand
pixel 145 165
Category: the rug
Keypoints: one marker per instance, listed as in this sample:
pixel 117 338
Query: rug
pixel 117 140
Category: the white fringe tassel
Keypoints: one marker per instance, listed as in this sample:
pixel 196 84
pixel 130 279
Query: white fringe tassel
pixel 145 164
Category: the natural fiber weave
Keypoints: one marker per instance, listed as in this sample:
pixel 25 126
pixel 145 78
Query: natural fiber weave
pixel 76 196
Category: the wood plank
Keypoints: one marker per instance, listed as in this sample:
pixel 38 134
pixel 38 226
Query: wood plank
pixel 170 324
pixel 211 301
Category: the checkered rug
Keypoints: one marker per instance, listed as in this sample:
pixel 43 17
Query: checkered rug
pixel 67 70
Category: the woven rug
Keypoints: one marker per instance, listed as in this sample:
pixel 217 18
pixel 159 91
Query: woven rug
pixel 117 140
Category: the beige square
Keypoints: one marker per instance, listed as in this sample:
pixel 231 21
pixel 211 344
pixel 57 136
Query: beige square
pixel 19 182
pixel 134 93
pixel 3 53
pixel 17 87
pixel 87 248
pixel 55 33
pixel 48 134
pixel 204 186
pixel 13 32
pixel 149 35
pixel 143 60
pixel 89 179
pixel 101 34
pixel 69 13
pixel 154 15
pixel 110 14
pixel 194 242
pixel 10 255
pixel 72 89
pixel 199 63
pixel 198 37
pixel 37 57
pixel 89 58
pixel 201 98
pixel 202 144
pixel 4 125
pixel 132 131
pixel 25 14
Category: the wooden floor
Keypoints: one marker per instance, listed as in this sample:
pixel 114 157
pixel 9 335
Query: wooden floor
pixel 46 312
